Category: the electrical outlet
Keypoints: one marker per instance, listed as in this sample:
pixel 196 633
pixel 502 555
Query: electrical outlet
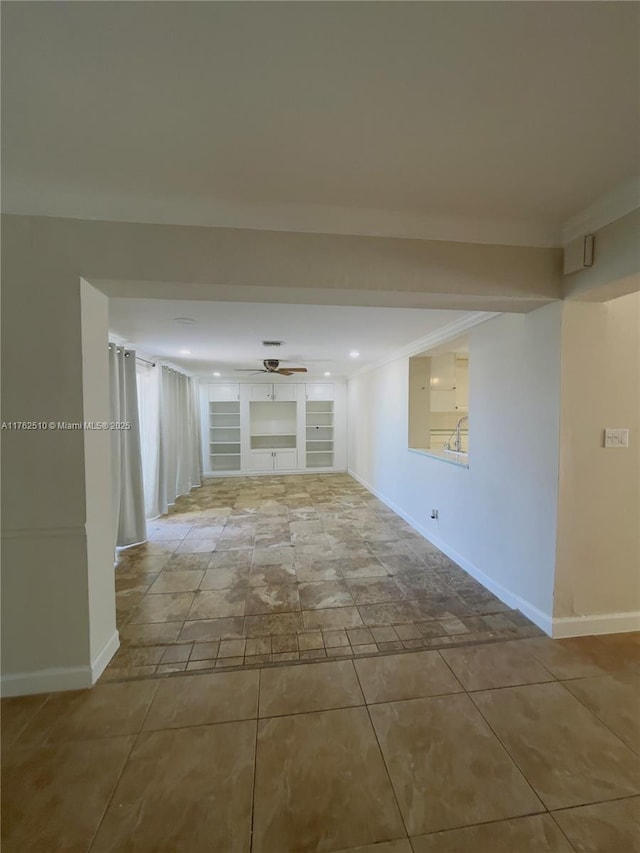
pixel 616 438
pixel 434 514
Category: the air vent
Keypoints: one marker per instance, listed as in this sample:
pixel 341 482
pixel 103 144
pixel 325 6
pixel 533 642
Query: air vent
pixel 272 343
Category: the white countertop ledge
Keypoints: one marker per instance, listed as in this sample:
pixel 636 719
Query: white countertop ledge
pixel 461 460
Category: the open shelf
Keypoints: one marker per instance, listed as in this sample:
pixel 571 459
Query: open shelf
pixel 319 434
pixel 224 436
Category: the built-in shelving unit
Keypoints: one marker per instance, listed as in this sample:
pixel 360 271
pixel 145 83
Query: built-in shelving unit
pixel 273 435
pixel 224 435
pixel 319 434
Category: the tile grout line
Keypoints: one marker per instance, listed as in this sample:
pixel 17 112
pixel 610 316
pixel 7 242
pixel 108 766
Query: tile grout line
pixel 255 766
pixel 121 774
pixel 381 752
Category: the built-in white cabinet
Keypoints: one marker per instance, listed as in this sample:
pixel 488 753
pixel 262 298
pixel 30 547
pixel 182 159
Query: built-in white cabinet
pixel 320 391
pixel 281 426
pixel 276 392
pixel 273 460
pixel 224 392
pixel 319 433
pixel 449 383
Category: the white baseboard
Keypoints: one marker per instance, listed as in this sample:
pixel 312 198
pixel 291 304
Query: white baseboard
pixel 57 679
pixel 46 681
pixel 100 662
pixel 602 623
pixel 543 620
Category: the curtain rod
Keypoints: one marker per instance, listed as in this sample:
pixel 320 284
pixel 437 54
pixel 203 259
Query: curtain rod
pixel 127 353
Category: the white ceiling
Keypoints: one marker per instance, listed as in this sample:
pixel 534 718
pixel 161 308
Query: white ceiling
pixel 229 335
pixel 485 121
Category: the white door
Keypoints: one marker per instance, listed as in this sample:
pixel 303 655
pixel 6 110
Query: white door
pixel 222 393
pixel 261 460
pixel 320 391
pixel 285 460
pixel 285 392
pixel 262 392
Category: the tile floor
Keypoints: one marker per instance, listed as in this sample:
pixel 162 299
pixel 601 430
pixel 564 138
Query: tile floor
pixel 264 570
pixel 521 746
pixel 430 718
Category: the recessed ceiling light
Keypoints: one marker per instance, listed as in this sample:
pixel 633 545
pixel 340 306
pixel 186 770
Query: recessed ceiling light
pixel 216 373
pixel 184 321
pixel 354 353
pixel 185 352
pixel 327 373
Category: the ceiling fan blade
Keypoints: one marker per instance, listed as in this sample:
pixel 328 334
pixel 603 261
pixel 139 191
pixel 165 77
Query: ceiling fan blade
pixel 284 371
pixel 297 369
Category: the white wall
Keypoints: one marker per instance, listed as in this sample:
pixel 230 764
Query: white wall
pixel 498 517
pixel 103 637
pixel 598 570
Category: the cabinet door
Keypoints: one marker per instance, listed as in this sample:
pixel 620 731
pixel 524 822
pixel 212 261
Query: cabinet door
pixel 285 392
pixel 320 391
pixel 262 392
pixel 462 386
pixel 443 401
pixel 261 460
pixel 221 393
pixel 285 460
pixel 443 373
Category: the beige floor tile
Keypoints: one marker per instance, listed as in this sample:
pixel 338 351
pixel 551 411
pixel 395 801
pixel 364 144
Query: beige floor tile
pixel 614 701
pixel 408 676
pixel 15 714
pixel 534 834
pixel 402 845
pixel 104 711
pixel 209 630
pixel 314 687
pixel 374 590
pixel 164 607
pixel 231 577
pixel 612 827
pixel 185 790
pixel 562 658
pixel 331 619
pixel 321 784
pixel 196 700
pixel 447 767
pixel 53 797
pixel 565 752
pixel 155 633
pixel 273 624
pixel 217 603
pixel 495 665
pixel 278 598
pixel 268 575
pixel 325 594
pixel 177 582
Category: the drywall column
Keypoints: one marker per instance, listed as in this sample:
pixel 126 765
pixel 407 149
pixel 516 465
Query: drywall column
pixel 103 637
pixel 46 637
pixel 597 584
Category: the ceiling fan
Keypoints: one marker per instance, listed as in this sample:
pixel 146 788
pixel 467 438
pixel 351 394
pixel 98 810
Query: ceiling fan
pixel 272 365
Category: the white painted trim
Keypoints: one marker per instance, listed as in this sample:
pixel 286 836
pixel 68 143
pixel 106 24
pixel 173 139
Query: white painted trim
pixel 23 200
pixel 46 681
pixel 447 333
pixel 602 623
pixel 539 617
pixel 606 209
pixel 215 475
pixel 101 660
pixel 43 532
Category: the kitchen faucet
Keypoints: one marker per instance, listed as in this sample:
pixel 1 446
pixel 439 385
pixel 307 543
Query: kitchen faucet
pixel 457 445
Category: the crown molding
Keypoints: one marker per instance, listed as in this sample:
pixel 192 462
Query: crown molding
pixel 447 333
pixel 24 200
pixel 609 207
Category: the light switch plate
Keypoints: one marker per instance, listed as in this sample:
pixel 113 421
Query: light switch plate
pixel 616 438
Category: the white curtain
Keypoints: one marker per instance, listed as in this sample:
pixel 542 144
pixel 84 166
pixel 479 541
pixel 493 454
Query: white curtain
pixel 126 471
pixel 170 437
pixel 149 406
